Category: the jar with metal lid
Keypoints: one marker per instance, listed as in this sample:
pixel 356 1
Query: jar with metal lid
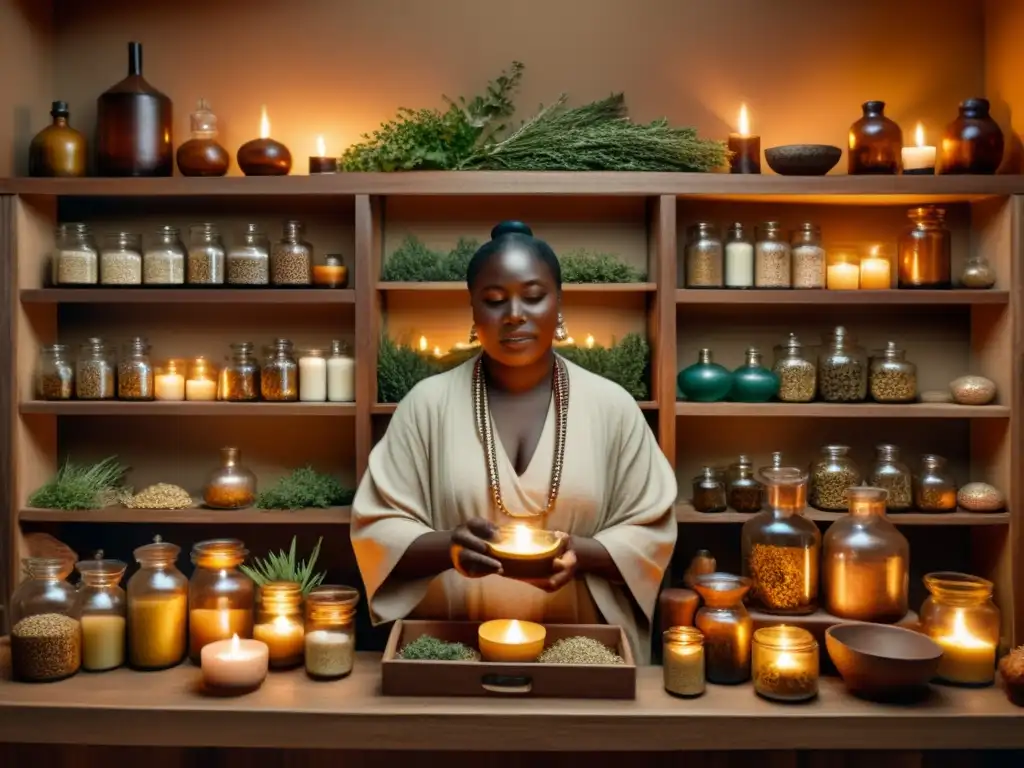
pixel 925 250
pixel 157 608
pixel 121 259
pixel 809 258
pixel 683 661
pixel 46 634
pixel 891 474
pixel 205 255
pixel 726 625
pixel 892 379
pixel 232 485
pixel 248 263
pixel 772 257
pixel 279 623
pixel 708 492
pixel 55 373
pixel 934 486
pixel 831 476
pixel 163 263
pixel 75 258
pixel 240 376
pixel 102 606
pixel 746 494
pixel 704 257
pixel 95 371
pixel 784 663
pixel 739 258
pixel 797 371
pixel 960 616
pixel 291 259
pixel 842 369
pixel 220 596
pixel 330 637
pixel 135 371
pixel 279 378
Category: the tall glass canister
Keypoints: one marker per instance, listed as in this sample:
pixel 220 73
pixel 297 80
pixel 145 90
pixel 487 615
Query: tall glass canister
pixel 103 610
pixel 925 250
pixel 221 598
pixel 157 608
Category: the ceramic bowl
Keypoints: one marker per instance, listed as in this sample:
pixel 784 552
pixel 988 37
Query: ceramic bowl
pixel 525 553
pixel 882 662
pixel 803 159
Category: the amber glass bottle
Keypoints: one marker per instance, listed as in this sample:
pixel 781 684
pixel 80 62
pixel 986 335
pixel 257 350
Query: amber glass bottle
pixel 134 126
pixel 202 155
pixel 973 143
pixel 876 142
pixel 58 149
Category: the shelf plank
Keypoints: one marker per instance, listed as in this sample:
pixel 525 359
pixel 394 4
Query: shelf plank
pixel 389 408
pixel 826 298
pixel 845 410
pixel 99 295
pixel 200 516
pixel 460 287
pixel 685 513
pixel 166 408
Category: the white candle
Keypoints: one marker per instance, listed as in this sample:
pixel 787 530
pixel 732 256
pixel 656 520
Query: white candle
pixel 739 265
pixel 874 273
pixel 235 664
pixel 312 378
pixel 843 277
pixel 341 379
pixel 169 386
pixel 919 159
pixel 200 389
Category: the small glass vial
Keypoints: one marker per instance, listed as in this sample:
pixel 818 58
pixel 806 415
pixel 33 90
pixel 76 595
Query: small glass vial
pixel 978 273
pixel 75 258
pixel 205 255
pixel 249 262
pixel 934 486
pixel 893 379
pixel 157 608
pixel 240 376
pixel 739 258
pixel 925 250
pixel 312 376
pixel 341 374
pixel 232 485
pixel 220 597
pixel 55 373
pixel 121 259
pixel 842 369
pixel 891 474
pixel 797 372
pixel 103 610
pixel 163 263
pixel 808 257
pixel 704 257
pixel 291 260
pixel 95 371
pixel 772 257
pixel 683 661
pixel 135 371
pixel 831 476
pixel 330 631
pixel 960 616
pixel 709 492
pixel 279 623
pixel 280 374
pixel 785 663
pixel 169 380
pixel 46 634
pixel 746 494
pixel 201 384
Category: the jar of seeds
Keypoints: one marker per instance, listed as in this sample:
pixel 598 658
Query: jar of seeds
pixel 708 492
pixel 55 373
pixel 121 259
pixel 249 262
pixel 205 255
pixel 808 257
pixel 46 636
pixel 95 371
pixel 745 493
pixel 135 371
pixel 75 258
pixel 893 475
pixel 291 260
pixel 739 258
pixel 279 378
pixel 934 486
pixel 797 372
pixel 842 369
pixel 163 263
pixel 893 379
pixel 240 376
pixel 772 257
pixel 704 257
pixel 831 475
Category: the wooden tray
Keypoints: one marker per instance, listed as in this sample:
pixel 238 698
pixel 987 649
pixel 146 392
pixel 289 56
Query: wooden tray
pixel 478 678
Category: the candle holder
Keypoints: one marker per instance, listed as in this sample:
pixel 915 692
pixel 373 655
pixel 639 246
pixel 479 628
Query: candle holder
pixel 234 667
pixel 169 380
pixel 843 272
pixel 201 383
pixel 683 661
pixel 746 149
pixel 918 160
pixel 330 631
pixel 785 663
pixel 279 623
pixel 876 269
pixel 960 616
pixel 220 596
pixel 264 157
pixel 524 552
pixel 511 641
pixel 322 165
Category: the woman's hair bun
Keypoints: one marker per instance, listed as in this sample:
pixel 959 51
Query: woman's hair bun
pixel 511 228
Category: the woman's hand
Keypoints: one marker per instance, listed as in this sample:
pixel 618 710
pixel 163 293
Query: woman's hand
pixel 563 569
pixel 469 551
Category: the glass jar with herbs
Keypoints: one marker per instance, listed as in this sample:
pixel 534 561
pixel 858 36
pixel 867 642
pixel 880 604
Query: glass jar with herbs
pixel 163 263
pixel 232 485
pixel 704 257
pixel 726 626
pixel 55 373
pixel 205 255
pixel 797 371
pixel 739 258
pixel 75 258
pixel 135 371
pixel 842 369
pixel 891 474
pixel 831 475
pixel 121 259
pixel 708 492
pixel 809 259
pixel 249 261
pixel 934 486
pixel 240 376
pixel 772 257
pixel 279 377
pixel 291 259
pixel 330 631
pixel 893 379
pixel 95 371
pixel 925 250
pixel 46 634
pixel 745 493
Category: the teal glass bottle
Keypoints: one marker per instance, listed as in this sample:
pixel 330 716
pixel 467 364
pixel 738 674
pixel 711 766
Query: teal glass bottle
pixel 705 381
pixel 752 382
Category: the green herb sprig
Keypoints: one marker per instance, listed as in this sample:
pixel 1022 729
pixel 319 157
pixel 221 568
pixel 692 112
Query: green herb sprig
pixel 429 648
pixel 305 488
pixel 285 567
pixel 81 486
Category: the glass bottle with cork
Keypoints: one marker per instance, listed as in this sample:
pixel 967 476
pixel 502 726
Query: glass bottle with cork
pixel 157 608
pixel 102 606
pixel 220 597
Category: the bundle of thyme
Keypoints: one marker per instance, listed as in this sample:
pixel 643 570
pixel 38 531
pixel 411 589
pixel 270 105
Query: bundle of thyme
pixel 429 648
pixel 81 486
pixel 305 488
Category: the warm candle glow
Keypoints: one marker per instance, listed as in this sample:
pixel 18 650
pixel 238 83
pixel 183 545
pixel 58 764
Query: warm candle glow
pixel 235 652
pixel 966 658
pixel 569 340
pixel 510 641
pixel 423 343
pixel 919 135
pixel 264 123
pixel 743 124
pixel 438 352
pixel 514 633
pixel 919 158
pixel 843 276
pixel 874 271
pixel 321 147
pixel 590 341
pixel 961 636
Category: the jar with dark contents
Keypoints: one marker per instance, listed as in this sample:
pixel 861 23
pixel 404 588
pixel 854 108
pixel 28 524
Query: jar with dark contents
pixel 704 257
pixel 708 492
pixel 842 369
pixel 772 257
pixel 240 376
pixel 797 371
pixel 831 475
pixel 135 372
pixel 205 255
pixel 892 475
pixel 745 492
pixel 893 378
pixel 249 261
pixel 55 373
pixel 279 378
pixel 95 371
pixel 291 259
pixel 726 626
pixel 934 486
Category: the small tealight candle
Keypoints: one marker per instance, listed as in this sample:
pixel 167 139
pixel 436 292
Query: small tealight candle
pixel 169 381
pixel 321 163
pixel 511 641
pixel 919 160
pixel 235 666
pixel 785 663
pixel 875 271
pixel 843 276
pixel 202 381
pixel 746 148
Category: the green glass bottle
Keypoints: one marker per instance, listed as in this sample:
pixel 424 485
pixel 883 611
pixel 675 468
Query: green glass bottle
pixel 752 382
pixel 705 381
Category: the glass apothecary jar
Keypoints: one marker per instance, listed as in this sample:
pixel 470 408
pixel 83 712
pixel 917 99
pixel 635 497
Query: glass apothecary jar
pixel 960 616
pixel 925 250
pixel 876 142
pixel 772 257
pixel 121 259
pixel 206 255
pixel 291 259
pixel 726 626
pixel 75 259
pixel 866 562
pixel 893 379
pixel 95 371
pixel 313 376
pixel 55 373
pixel 103 609
pixel 831 475
pixel 220 597
pixel 785 663
pixel 808 257
pixel 683 661
pixel 279 623
pixel 240 376
pixel 330 631
pixel 781 547
pixel 157 608
pixel 44 589
pixel 934 486
pixel 797 371
pixel 745 493
pixel 978 273
pixel 249 261
pixel 891 474
pixel 46 635
pixel 163 263
pixel 739 258
pixel 135 371
pixel 708 492
pixel 842 369
pixel 704 258
pixel 279 378
pixel 231 485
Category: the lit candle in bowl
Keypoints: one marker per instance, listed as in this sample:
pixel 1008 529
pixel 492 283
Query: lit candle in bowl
pixel 321 163
pixel 966 658
pixel 234 666
pixel 202 380
pixel 919 160
pixel 746 148
pixel 264 156
pixel 784 663
pixel 525 552
pixel 875 271
pixel 511 641
pixel 169 380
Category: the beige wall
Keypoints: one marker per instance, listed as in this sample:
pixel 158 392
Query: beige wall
pixel 26 79
pixel 1004 72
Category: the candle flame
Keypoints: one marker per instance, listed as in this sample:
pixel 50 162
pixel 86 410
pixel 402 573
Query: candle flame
pixel 919 135
pixel 423 343
pixel 437 352
pixel 743 124
pixel 522 537
pixel 590 341
pixel 569 340
pixel 961 636
pixel 514 633
pixel 321 147
pixel 264 123
pixel 282 626
pixel 236 644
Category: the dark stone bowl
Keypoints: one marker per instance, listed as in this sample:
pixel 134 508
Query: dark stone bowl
pixel 803 159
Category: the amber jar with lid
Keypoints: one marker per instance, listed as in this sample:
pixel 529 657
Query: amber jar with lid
pixel 893 378
pixel 46 635
pixel 157 608
pixel 726 626
pixel 231 485
pixel 220 596
pixel 279 379
pixel 240 376
pixel 279 623
pixel 330 637
pixel 934 486
pixel 102 608
pixel 925 250
pixel 973 143
pixel 785 664
pixel 960 616
pixel 708 492
pixel 894 476
pixel 876 142
pixel 58 149
pixel 202 155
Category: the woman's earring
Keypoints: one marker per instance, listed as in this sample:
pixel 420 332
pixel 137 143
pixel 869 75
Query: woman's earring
pixel 473 339
pixel 560 333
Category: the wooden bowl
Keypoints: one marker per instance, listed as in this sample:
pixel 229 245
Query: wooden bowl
pixel 882 662
pixel 803 159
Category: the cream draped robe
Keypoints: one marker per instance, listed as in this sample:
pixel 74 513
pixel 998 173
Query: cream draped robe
pixel 429 473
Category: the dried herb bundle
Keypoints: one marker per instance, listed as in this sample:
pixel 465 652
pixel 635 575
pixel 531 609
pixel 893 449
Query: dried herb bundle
pixel 285 567
pixel 81 486
pixel 428 648
pixel 305 488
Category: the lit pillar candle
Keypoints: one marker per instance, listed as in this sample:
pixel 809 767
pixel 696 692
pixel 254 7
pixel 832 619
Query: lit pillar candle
pixel 966 659
pixel 511 641
pixel 746 148
pixel 919 160
pixel 875 272
pixel 169 381
pixel 208 625
pixel 234 665
pixel 285 638
pixel 202 381
pixel 843 276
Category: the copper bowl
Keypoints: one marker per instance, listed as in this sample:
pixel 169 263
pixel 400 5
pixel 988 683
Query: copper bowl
pixel 802 159
pixel 882 662
pixel 536 561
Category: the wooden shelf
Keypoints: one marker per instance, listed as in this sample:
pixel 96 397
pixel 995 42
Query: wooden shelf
pixel 100 295
pixel 388 408
pixel 845 410
pixel 460 287
pixel 685 513
pixel 166 408
pixel 201 516
pixel 825 298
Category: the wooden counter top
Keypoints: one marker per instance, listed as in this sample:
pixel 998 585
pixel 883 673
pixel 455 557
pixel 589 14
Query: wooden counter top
pixel 291 711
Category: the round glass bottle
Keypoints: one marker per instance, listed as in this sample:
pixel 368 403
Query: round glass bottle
pixel 75 258
pixel 893 379
pixel 249 262
pixel 705 381
pixel 866 562
pixel 121 259
pixel 925 250
pixel 934 486
pixel 163 263
pixel 46 635
pixel 876 142
pixel 708 492
pixel 780 547
pixel 785 663
pixel 95 371
pixel 891 474
pixel 157 608
pixel 746 494
pixel 842 369
pixel 220 597
pixel 202 155
pixel 960 616
pixel 809 258
pixel 973 143
pixel 55 373
pixel 330 631
pixel 102 607
pixel 240 376
pixel 739 258
pixel 726 626
pixel 752 382
pixel 279 378
pixel 291 259
pixel 704 257
pixel 279 623
pixel 772 257
pixel 831 476
pixel 58 149
pixel 135 372
pixel 231 485
pixel 205 255
pixel 797 372
pixel 683 661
